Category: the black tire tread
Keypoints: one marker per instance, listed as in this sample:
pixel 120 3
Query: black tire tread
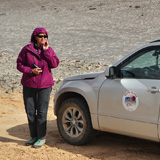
pixel 89 130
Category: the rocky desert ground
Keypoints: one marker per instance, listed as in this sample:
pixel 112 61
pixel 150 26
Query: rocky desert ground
pixel 87 36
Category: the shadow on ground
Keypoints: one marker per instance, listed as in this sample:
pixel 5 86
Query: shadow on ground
pixel 101 146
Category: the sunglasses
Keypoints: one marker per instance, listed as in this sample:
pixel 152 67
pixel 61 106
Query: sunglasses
pixel 40 36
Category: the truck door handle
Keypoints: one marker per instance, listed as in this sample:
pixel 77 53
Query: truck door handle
pixel 153 90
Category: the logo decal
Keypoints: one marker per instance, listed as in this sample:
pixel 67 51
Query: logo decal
pixel 130 101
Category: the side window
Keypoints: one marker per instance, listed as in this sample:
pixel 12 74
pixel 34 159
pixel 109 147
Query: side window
pixel 143 65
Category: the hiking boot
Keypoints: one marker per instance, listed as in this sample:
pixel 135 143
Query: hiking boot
pixel 39 143
pixel 31 141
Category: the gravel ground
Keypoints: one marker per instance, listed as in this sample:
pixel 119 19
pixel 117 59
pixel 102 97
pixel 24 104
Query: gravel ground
pixel 10 77
pixel 87 36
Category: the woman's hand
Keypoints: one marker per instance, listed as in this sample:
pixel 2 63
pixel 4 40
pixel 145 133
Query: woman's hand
pixel 36 71
pixel 45 45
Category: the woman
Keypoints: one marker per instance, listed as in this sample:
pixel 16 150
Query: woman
pixel 35 62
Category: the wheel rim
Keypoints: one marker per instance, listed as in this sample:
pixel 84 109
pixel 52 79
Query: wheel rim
pixel 73 122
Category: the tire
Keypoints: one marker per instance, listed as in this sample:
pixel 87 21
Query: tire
pixel 74 122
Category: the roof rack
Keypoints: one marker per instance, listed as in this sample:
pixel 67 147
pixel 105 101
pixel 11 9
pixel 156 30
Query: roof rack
pixel 155 41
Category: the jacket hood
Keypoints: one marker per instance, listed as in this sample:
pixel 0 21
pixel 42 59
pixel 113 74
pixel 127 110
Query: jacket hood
pixel 36 32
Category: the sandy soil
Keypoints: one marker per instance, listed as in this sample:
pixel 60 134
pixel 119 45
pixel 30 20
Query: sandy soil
pixel 14 132
pixel 90 30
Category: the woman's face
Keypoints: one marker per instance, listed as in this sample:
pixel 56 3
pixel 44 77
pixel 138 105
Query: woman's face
pixel 41 38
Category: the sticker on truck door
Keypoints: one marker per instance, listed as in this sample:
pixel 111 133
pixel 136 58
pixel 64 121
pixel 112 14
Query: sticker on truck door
pixel 130 101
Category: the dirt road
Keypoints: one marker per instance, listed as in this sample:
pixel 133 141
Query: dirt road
pixel 14 132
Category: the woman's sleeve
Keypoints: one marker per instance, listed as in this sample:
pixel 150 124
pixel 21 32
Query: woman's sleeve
pixel 51 58
pixel 22 62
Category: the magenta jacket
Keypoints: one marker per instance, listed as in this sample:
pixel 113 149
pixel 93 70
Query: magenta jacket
pixel 44 59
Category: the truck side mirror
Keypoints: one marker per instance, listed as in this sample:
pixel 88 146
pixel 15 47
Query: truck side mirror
pixel 110 72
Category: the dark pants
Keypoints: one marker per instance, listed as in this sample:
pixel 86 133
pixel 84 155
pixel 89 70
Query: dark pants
pixel 36 103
